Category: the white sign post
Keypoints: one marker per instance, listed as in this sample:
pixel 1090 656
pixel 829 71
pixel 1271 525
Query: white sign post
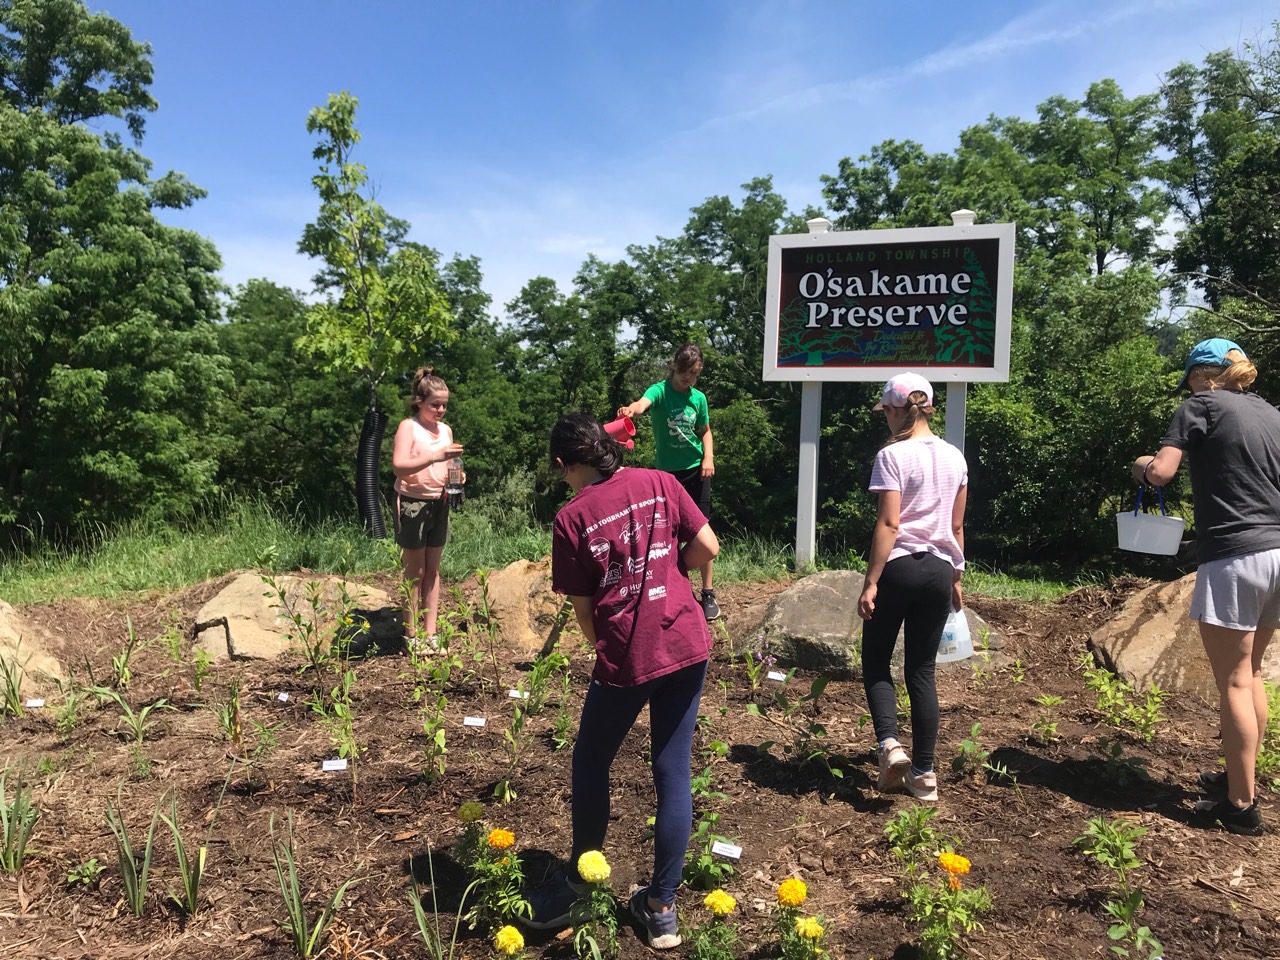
pixel 865 305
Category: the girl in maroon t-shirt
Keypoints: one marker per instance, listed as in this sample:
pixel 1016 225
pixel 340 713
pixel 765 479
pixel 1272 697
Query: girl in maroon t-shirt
pixel 620 549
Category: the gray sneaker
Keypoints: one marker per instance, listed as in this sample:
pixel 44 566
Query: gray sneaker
pixel 710 609
pixel 661 930
pixel 553 904
pixel 894 763
pixel 923 786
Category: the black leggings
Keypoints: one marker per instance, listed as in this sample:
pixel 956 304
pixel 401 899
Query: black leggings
pixel 914 589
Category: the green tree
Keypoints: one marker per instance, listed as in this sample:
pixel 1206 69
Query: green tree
pixel 110 379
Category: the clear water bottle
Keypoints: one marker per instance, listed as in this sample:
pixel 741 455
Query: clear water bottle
pixel 454 488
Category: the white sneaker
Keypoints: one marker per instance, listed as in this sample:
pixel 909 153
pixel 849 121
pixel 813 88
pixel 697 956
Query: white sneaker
pixel 894 763
pixel 923 786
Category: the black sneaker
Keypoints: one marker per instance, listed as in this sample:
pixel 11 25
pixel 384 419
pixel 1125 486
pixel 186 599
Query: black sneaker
pixel 710 609
pixel 1213 782
pixel 1247 821
pixel 553 903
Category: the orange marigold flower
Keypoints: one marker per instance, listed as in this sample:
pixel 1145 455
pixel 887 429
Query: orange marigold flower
pixel 500 839
pixel 953 863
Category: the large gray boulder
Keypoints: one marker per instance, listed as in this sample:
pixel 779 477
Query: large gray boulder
pixel 1150 640
pixel 814 625
pixel 248 620
pixel 24 648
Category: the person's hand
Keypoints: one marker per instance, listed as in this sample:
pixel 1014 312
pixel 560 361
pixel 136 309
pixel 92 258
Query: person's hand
pixel 1139 470
pixel 957 597
pixel 451 451
pixel 708 469
pixel 867 602
pixel 625 412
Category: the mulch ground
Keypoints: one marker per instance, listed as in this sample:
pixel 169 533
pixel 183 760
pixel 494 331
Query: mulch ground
pixel 1208 894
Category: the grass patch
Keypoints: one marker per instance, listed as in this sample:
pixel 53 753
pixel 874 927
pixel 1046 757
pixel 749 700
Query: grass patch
pixel 487 533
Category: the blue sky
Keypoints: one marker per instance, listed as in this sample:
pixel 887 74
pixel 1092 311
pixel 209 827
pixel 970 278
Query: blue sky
pixel 532 134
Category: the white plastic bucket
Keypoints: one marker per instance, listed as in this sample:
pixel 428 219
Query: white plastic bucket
pixel 956 641
pixel 1149 532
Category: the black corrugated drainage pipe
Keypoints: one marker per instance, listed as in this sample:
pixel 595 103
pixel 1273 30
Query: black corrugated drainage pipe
pixel 367 495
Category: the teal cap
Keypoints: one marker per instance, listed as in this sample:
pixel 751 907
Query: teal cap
pixel 1208 353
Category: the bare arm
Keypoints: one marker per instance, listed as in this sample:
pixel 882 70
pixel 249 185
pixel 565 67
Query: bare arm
pixel 708 452
pixel 957 530
pixel 634 410
pixel 883 538
pixel 582 608
pixel 703 547
pixel 1159 469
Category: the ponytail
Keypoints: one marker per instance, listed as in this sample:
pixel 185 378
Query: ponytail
pixel 917 408
pixel 1239 374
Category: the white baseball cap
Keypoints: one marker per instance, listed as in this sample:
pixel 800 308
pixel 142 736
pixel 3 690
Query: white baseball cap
pixel 897 391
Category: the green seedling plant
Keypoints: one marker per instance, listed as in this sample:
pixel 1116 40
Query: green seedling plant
pixel 1045 727
pixel 1267 769
pixel 18 819
pixel 544 668
pixel 338 718
pixel 1118 704
pixel 516 740
pixel 305 628
pixel 490 625
pixel 810 734
pixel 715 938
pixel 266 741
pixel 703 870
pixel 946 909
pixel 1118 770
pixel 595 914
pixel 190 868
pixel 759 661
pixel 305 936
pixel 135 869
pixel 972 756
pixel 429 926
pixel 1016 673
pixel 200 666
pixel 120 673
pixel 432 716
pixel 1113 845
pixel 227 713
pixel 498 878
pixel 136 722
pixel 11 685
pixel 171 639
pixel 913 840
pixel 562 725
pixel 85 874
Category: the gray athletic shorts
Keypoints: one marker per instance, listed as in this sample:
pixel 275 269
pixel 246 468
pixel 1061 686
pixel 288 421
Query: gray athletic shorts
pixel 1239 593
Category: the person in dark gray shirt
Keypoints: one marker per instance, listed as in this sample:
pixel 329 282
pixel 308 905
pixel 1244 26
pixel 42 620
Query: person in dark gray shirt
pixel 1231 439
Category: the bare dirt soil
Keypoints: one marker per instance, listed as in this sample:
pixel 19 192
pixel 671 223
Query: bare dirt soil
pixel 1208 894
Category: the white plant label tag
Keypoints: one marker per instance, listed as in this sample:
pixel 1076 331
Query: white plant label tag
pixel 282 697
pixel 726 850
pixel 34 702
pixel 330 765
pixel 776 675
pixel 473 721
pixel 518 694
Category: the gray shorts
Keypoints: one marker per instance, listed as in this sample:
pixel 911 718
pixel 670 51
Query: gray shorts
pixel 1239 593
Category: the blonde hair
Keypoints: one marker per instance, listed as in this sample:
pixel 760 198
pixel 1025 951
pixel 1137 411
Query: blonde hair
pixel 918 407
pixel 1239 374
pixel 425 383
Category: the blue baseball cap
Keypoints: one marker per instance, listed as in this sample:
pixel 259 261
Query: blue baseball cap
pixel 1209 353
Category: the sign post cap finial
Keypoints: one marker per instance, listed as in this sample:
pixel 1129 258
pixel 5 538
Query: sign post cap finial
pixel 963 218
pixel 818 225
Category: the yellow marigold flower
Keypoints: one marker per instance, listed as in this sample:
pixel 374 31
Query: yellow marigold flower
pixel 501 839
pixel 792 892
pixel 593 867
pixel 953 863
pixel 508 940
pixel 808 928
pixel 719 903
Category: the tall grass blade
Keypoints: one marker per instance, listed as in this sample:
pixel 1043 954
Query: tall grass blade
pixel 11 685
pixel 190 871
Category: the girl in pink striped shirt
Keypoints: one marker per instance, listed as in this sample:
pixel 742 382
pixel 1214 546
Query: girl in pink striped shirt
pixel 913 578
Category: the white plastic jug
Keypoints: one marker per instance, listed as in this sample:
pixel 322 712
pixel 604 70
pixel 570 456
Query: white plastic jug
pixel 1156 533
pixel 956 642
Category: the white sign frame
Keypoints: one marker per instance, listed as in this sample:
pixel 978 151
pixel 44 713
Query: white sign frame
pixel 1004 233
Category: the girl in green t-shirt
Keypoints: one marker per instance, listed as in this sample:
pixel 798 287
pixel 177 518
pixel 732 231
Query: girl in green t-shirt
pixel 682 436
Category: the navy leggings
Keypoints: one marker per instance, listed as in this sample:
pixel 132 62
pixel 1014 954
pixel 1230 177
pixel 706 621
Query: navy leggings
pixel 915 590
pixel 607 716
